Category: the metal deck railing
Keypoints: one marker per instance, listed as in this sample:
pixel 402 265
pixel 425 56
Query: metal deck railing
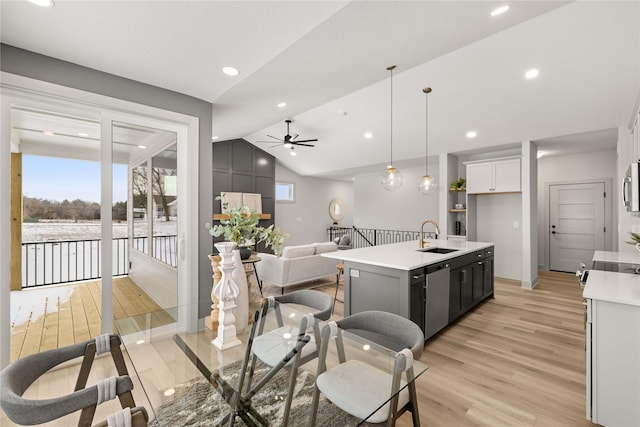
pixel 65 261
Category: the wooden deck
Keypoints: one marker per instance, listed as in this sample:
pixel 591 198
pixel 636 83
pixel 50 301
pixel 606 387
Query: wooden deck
pixel 56 316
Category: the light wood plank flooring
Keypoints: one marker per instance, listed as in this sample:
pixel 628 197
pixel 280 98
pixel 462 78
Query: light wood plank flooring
pixel 515 360
pixel 52 317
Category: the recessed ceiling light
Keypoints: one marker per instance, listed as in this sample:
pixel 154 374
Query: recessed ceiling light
pixel 500 10
pixel 532 73
pixel 48 132
pixel 140 342
pixel 282 104
pixel 169 392
pixel 83 134
pixel 541 153
pixel 213 138
pixel 43 3
pixel 230 71
pixel 472 134
pixel 368 135
pixel 142 147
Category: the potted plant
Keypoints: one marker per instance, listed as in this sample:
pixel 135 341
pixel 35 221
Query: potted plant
pixel 635 240
pixel 242 228
pixel 459 184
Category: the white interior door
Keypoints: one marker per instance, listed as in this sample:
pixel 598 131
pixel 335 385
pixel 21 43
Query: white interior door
pixel 576 224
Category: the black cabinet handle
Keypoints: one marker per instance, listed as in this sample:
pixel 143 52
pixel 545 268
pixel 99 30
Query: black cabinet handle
pixel 553 232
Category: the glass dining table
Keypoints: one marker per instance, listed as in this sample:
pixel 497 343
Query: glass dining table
pixel 186 380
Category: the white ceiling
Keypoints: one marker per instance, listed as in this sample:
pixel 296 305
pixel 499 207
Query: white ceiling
pixel 328 61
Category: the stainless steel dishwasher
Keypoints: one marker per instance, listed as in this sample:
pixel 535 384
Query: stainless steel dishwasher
pixel 437 298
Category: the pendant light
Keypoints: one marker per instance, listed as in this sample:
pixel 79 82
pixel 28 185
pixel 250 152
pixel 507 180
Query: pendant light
pixel 427 184
pixel 392 178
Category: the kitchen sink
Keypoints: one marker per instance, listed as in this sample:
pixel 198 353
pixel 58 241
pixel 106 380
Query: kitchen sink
pixel 437 250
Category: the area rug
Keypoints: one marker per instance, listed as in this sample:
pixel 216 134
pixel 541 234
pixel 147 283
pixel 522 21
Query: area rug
pixel 197 404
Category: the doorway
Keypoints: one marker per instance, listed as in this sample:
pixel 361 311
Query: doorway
pixel 108 115
pixel 577 223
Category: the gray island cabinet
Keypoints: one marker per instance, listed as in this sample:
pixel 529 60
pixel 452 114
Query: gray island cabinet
pixel 431 286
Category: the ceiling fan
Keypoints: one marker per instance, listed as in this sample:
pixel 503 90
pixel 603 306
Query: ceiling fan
pixel 290 141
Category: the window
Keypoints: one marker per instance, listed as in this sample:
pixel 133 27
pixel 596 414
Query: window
pixel 285 192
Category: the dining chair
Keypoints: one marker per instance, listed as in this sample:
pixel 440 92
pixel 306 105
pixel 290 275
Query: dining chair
pixel 271 346
pixel 16 378
pixel 359 388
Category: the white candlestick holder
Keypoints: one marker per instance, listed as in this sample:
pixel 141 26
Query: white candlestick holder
pixel 226 291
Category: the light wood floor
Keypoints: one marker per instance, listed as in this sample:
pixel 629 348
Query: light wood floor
pixel 52 317
pixel 516 360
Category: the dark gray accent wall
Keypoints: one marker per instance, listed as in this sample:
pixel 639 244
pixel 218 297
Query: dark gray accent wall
pixel 240 167
pixel 33 65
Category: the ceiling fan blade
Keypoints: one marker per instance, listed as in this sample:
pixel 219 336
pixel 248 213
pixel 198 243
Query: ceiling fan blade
pixel 266 142
pixel 294 136
pixel 270 136
pixel 277 145
pixel 304 145
pixel 306 140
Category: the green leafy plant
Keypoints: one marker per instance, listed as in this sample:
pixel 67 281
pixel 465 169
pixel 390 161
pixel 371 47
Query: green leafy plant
pixel 242 228
pixel 459 183
pixel 635 238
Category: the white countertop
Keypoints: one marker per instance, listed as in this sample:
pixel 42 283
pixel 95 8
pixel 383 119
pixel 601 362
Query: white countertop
pixel 608 286
pixel 405 255
pixel 618 257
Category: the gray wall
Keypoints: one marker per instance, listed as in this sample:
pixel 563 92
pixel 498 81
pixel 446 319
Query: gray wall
pixel 403 209
pixel 48 69
pixel 572 168
pixel 307 219
pixel 495 216
pixel 240 167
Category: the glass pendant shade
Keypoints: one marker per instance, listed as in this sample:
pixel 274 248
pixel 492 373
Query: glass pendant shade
pixel 427 185
pixel 391 179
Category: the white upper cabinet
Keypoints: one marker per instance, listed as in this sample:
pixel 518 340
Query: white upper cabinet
pixel 495 176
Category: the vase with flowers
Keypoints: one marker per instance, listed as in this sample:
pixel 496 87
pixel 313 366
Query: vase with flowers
pixel 241 226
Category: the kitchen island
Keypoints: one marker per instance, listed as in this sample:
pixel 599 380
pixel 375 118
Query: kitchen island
pixel 432 286
pixel 613 346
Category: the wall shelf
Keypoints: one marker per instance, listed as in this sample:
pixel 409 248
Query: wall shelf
pixel 456 190
pixel 218 217
pixel 457 210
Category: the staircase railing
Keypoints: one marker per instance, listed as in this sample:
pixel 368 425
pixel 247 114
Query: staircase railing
pixel 363 237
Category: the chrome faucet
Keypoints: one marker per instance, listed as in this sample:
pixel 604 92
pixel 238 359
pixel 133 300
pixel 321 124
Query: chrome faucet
pixel 435 225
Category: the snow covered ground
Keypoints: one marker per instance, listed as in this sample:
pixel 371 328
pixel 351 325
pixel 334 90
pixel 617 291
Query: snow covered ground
pixel 48 231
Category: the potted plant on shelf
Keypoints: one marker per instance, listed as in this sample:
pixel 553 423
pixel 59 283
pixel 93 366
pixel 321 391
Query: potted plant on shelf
pixel 458 184
pixel 242 228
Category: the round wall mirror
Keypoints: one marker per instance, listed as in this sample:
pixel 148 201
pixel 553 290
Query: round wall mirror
pixel 336 209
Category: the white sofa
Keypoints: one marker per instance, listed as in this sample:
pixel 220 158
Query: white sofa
pixel 297 264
